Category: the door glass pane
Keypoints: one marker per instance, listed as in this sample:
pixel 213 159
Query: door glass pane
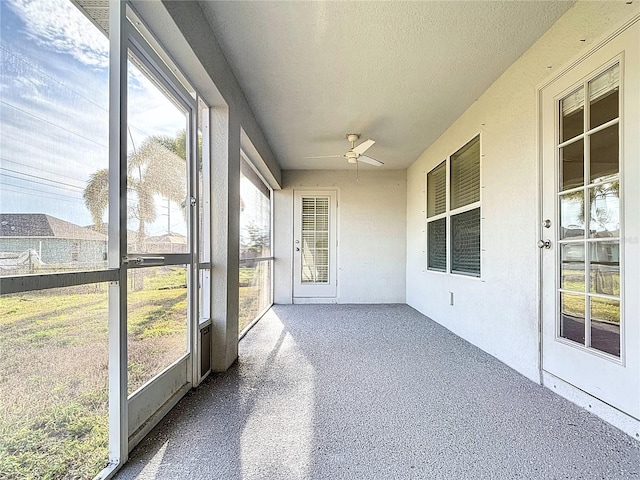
pixel 465 175
pixel 437 245
pixel 604 153
pixel 572 117
pixel 572 161
pixel 572 315
pixel 53 383
pixel 604 259
pixel 322 222
pixel 322 274
pixel 604 206
pixel 322 240
pixel 437 190
pixel 605 325
pixel 308 223
pixel 54 128
pixel 315 230
pixel 572 267
pixel 156 167
pixel 156 321
pixel 572 215
pixel 603 96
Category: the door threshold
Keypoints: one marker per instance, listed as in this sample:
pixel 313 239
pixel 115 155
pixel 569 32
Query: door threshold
pixel 619 419
pixel 312 300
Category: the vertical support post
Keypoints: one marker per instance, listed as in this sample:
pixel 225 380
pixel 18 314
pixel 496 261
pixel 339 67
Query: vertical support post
pixel 205 165
pixel 204 246
pixel 117 243
pixel 225 236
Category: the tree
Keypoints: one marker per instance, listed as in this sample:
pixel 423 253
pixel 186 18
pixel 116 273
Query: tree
pixel 598 212
pixel 256 240
pixel 96 197
pixel 156 168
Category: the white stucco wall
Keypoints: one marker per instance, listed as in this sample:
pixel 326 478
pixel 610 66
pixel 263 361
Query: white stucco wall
pixel 499 312
pixel 371 233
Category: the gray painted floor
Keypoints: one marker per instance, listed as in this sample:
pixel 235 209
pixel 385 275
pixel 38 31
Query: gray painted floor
pixel 375 392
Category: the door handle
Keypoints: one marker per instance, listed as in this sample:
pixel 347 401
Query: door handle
pixel 297 249
pixel 544 244
pixel 142 260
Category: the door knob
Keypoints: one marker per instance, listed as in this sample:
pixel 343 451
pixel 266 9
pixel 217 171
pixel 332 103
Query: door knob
pixel 297 249
pixel 544 244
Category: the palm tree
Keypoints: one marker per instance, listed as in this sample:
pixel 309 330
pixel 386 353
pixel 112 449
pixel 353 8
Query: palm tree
pixel 96 197
pixel 156 168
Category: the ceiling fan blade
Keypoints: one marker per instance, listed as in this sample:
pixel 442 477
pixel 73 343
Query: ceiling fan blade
pixel 364 146
pixel 327 156
pixel 369 160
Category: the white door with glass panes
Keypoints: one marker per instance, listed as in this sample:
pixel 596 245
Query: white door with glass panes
pixel 590 224
pixel 314 244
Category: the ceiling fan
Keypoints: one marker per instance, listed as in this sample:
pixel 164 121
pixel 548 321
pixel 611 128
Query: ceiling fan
pixel 355 154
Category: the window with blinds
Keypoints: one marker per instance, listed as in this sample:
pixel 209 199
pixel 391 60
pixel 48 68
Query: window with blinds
pixel 453 212
pixel 315 240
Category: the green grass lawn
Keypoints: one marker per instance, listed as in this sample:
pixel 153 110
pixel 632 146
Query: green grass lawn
pixel 602 309
pixel 53 384
pixel 54 370
pixel 54 366
pixel 253 293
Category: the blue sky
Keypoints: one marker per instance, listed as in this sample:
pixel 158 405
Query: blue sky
pixel 54 109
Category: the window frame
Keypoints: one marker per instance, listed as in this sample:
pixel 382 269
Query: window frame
pixel 449 214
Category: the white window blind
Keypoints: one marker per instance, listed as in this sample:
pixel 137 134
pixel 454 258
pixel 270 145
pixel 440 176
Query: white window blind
pixel 465 243
pixel 315 240
pixel 599 87
pixel 437 190
pixel 437 242
pixel 465 175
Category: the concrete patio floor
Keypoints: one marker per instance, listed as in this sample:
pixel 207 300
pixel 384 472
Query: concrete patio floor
pixel 374 392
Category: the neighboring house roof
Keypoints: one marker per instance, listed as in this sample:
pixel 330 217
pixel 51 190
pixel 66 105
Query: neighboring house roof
pixel 174 238
pixel 42 225
pixel 132 235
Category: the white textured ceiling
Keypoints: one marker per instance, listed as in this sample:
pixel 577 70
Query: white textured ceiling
pixel 397 72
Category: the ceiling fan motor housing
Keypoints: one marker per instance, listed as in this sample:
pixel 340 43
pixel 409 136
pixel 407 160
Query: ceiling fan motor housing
pixel 355 154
